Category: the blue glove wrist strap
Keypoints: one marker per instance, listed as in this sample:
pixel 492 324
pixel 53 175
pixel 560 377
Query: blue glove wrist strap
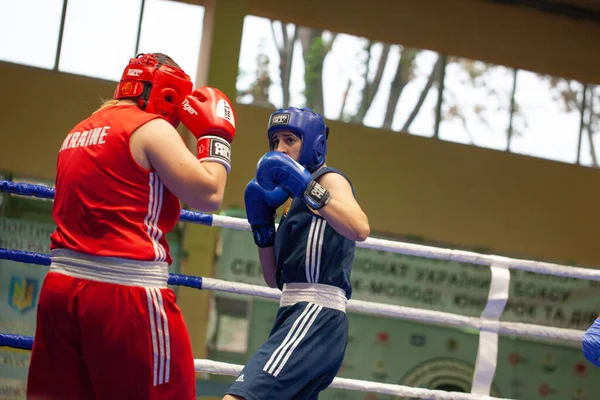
pixel 316 196
pixel 264 236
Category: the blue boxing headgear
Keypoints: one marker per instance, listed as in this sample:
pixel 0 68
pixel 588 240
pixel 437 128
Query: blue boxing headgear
pixel 309 127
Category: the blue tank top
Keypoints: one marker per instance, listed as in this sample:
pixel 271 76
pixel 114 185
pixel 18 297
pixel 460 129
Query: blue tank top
pixel 308 249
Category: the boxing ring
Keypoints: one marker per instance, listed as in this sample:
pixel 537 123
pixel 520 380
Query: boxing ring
pixel 488 324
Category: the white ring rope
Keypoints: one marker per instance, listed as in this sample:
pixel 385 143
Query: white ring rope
pixel 220 368
pixel 223 221
pixel 446 254
pixel 488 322
pixel 410 313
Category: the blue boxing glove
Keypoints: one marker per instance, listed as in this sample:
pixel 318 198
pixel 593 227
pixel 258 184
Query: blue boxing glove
pixel 261 206
pixel 276 169
pixel 590 343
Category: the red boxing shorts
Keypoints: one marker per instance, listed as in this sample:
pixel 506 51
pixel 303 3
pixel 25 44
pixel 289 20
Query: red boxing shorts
pixel 100 340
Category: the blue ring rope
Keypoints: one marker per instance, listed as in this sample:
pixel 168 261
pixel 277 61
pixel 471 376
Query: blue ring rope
pixel 16 341
pixel 44 192
pixel 26 342
pixel 44 259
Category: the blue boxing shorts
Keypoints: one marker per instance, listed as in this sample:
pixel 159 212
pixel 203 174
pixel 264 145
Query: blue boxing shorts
pixel 302 355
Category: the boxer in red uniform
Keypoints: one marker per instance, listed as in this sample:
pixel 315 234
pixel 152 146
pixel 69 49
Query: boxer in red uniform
pixel 107 324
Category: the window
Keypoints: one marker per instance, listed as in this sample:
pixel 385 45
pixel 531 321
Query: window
pixel 175 29
pixel 394 87
pixel 341 76
pixel 99 37
pixel 589 154
pixel 30 38
pixel 259 80
pixel 547 117
pixel 476 104
pixel 416 108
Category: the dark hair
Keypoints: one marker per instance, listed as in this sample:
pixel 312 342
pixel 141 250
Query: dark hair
pixel 165 59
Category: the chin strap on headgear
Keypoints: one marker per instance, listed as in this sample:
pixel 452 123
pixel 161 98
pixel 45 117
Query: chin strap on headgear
pixel 158 88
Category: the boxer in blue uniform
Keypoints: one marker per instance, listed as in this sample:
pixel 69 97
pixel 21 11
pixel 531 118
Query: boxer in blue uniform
pixel 309 258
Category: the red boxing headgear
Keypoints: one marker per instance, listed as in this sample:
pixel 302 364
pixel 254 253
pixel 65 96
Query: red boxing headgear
pixel 157 87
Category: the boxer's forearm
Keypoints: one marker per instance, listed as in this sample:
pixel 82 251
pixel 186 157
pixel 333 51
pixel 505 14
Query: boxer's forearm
pixel 343 212
pixel 346 219
pixel 266 256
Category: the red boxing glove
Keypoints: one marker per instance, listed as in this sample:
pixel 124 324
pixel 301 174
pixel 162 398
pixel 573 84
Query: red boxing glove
pixel 208 114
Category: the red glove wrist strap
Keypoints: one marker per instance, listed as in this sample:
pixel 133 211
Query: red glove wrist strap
pixel 215 149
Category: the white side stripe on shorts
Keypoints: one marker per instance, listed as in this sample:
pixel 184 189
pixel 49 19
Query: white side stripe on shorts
pixel 287 337
pixel 152 332
pixel 297 341
pixel 161 341
pixel 299 329
pixel 314 246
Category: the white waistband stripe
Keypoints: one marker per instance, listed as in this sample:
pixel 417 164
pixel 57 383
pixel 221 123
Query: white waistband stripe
pixel 324 295
pixel 115 270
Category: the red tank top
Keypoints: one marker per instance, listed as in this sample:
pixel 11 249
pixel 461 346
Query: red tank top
pixel 106 204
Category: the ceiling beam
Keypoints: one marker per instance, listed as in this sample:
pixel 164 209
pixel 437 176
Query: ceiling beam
pixel 565 9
